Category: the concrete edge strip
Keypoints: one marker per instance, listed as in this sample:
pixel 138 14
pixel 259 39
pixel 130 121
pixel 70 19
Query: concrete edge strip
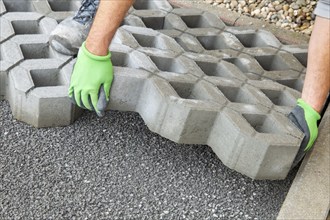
pixel 309 195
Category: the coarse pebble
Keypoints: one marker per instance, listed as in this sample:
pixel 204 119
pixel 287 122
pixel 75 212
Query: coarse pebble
pixel 296 15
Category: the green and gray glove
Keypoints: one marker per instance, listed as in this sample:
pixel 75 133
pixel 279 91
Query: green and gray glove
pixel 91 81
pixel 305 118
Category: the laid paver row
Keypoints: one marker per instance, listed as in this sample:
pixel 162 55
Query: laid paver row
pixel 194 80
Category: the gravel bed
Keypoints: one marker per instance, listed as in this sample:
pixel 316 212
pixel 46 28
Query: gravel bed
pixel 115 168
pixel 291 15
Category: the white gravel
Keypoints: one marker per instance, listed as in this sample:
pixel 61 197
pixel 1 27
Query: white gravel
pixel 291 15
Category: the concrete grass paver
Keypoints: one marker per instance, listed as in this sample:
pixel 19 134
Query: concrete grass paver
pixel 179 100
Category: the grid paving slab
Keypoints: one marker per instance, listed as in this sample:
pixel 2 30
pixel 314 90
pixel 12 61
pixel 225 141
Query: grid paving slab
pixel 193 79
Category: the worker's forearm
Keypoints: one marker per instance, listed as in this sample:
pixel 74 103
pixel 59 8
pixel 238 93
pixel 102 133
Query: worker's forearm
pixel 109 16
pixel 317 81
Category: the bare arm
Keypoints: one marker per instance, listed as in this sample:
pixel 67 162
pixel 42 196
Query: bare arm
pixel 109 16
pixel 317 81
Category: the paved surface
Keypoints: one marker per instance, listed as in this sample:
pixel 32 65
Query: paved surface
pixel 115 168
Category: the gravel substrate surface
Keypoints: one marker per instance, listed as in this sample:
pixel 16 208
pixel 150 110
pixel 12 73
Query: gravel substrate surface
pixel 115 168
pixel 291 15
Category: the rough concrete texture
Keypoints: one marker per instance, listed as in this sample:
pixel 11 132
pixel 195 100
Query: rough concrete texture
pixel 309 195
pixel 192 79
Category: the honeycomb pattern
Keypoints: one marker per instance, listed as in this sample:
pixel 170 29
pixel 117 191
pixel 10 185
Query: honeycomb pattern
pixel 192 79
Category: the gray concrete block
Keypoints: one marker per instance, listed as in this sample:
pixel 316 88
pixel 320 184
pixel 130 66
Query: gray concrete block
pixel 276 96
pixel 155 19
pixel 289 78
pixel 251 38
pixel 149 5
pixel 300 52
pixel 220 71
pixel 133 20
pixel 247 65
pixel 149 41
pixel 262 145
pixel 18 5
pixel 7 30
pixel 133 81
pixel 10 55
pixel 189 43
pixel 57 9
pixel 174 106
pixel 37 47
pixel 179 68
pixel 2 8
pixel 198 19
pixel 38 95
pixel 30 23
pixel 153 104
pixel 123 56
pixel 278 62
pixel 240 96
pixel 192 79
pixel 220 41
pixel 191 112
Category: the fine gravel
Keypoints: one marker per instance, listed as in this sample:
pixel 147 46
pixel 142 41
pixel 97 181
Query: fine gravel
pixel 115 168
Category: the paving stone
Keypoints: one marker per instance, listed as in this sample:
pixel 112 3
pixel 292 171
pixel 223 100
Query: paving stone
pixel 10 55
pixel 2 8
pixel 192 79
pixel 258 140
pixel 298 51
pixel 7 30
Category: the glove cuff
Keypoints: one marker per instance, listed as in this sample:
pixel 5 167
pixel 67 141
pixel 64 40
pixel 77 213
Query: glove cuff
pixel 308 109
pixel 93 56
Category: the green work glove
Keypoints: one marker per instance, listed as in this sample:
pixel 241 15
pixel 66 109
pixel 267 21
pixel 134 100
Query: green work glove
pixel 91 81
pixel 305 118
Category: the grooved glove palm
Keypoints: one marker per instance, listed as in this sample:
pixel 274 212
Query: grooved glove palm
pixel 305 118
pixel 91 81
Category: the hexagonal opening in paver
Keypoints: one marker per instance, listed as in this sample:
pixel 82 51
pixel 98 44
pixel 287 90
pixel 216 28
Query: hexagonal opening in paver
pixel 278 97
pixel 196 21
pixel 63 5
pixel 26 27
pixel 238 63
pixel 302 58
pixel 144 5
pixel 213 42
pixel 296 84
pixel 147 41
pixel 18 5
pixel 168 64
pixel 237 95
pixel 251 40
pixel 120 59
pixel 155 23
pixel 46 77
pixel 214 69
pixel 187 91
pixel 272 62
pixel 35 51
pixel 262 123
pixel 1 52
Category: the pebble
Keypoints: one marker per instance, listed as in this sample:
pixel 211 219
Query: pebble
pixel 292 15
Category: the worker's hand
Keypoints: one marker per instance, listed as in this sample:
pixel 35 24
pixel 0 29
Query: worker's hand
pixel 305 118
pixel 91 81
